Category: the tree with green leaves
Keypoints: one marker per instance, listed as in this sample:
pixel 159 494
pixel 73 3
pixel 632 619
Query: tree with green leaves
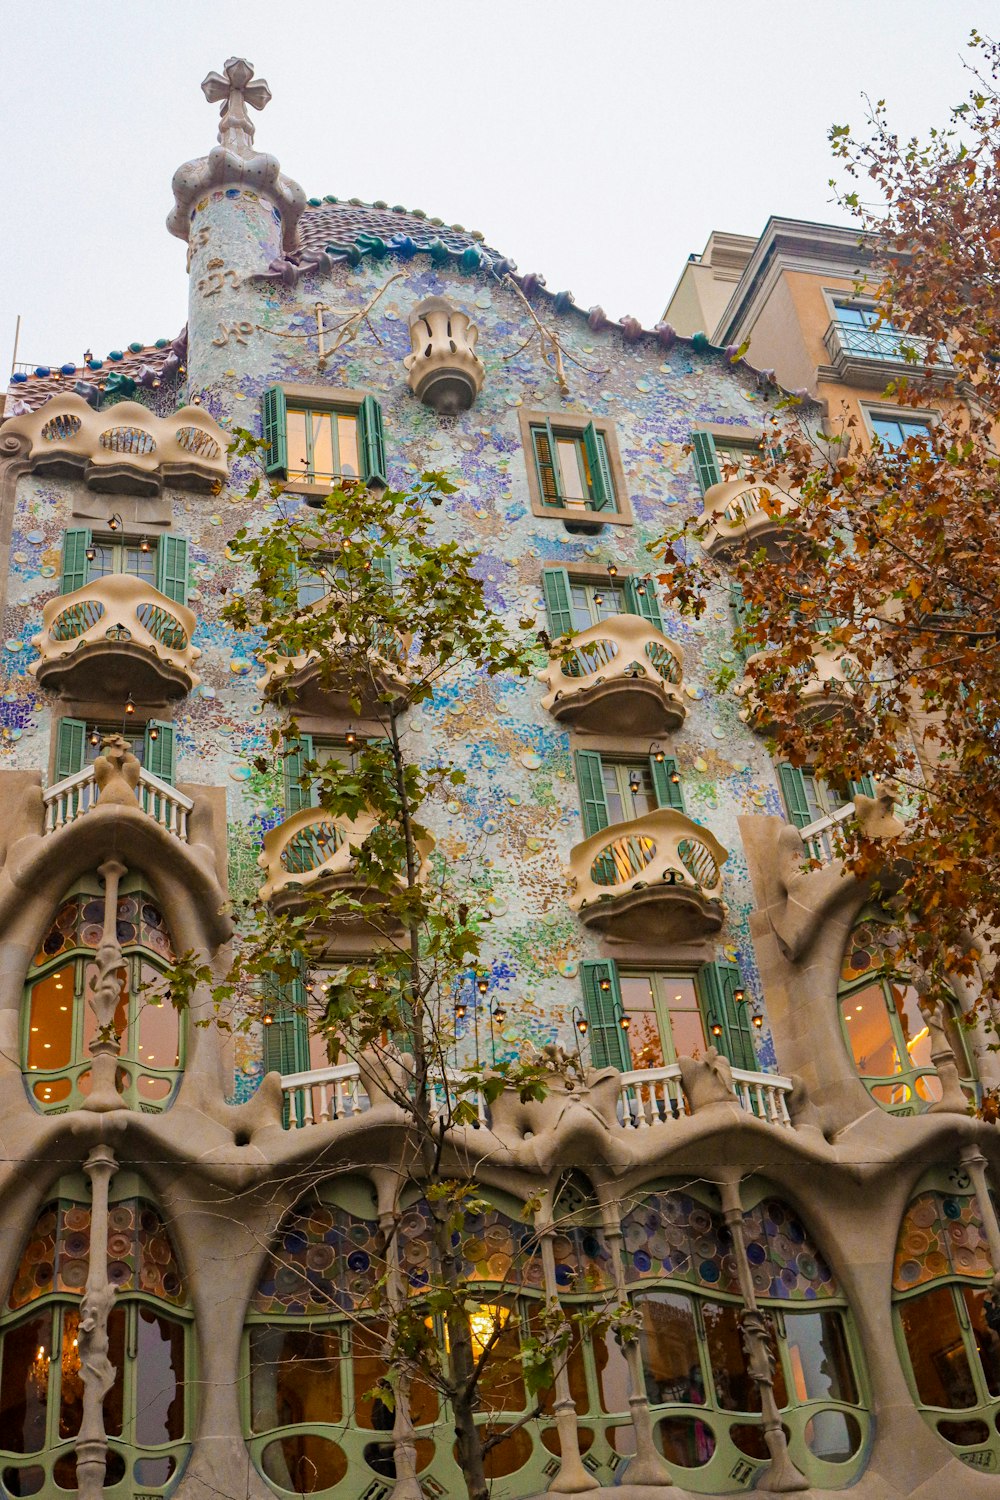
pixel 886 557
pixel 385 956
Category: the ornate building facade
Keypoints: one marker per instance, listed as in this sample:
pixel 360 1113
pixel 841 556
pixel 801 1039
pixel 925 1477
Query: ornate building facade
pixel 771 1157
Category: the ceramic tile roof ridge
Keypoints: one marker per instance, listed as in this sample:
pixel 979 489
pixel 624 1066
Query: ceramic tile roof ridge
pixel 121 372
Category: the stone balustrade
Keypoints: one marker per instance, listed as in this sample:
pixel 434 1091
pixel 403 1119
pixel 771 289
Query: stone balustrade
pixel 745 514
pixel 622 670
pixel 75 795
pixel 116 636
pixel 654 1096
pixel 126 448
pixel 661 868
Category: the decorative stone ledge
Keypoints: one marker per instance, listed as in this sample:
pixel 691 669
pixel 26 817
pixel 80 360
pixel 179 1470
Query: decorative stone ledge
pixel 745 514
pixel 125 448
pixel 659 873
pixel 445 372
pixel 623 667
pixel 114 637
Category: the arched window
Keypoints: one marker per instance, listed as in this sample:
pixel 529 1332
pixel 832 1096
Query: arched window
pixel 315 1352
pixel 885 1029
pixel 945 1318
pixel 683 1284
pixel 41 1392
pixel 58 1021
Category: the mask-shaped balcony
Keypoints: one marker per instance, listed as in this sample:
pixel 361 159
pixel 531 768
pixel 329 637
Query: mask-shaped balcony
pixel 126 448
pixel 827 688
pixel 311 854
pixel 745 514
pixel 323 684
pixel 622 671
pixel 660 875
pixel 115 637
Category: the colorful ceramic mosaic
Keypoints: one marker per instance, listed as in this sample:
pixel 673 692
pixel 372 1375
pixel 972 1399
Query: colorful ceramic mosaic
pixel 79 923
pixel 57 1257
pixel 325 1261
pixel 940 1236
pixel 672 1235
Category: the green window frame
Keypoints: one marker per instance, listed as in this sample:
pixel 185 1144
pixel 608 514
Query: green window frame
pixel 941 1291
pixel 885 1032
pixel 160 560
pixel 575 603
pixel 808 798
pixel 301 756
pixel 714 992
pixel 573 467
pixel 78 744
pixel 315 443
pixel 149 1421
pixel 597 770
pixel 57 1019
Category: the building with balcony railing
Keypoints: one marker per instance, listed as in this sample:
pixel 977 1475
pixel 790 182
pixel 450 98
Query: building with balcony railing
pixel 756 1147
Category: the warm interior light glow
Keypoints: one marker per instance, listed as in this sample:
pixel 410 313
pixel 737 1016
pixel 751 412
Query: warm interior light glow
pixel 487 1320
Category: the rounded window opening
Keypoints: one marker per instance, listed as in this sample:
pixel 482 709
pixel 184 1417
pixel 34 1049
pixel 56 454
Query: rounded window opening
pixel 59 1024
pixel 885 1028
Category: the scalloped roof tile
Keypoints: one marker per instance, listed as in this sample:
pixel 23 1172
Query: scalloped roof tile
pixel 340 223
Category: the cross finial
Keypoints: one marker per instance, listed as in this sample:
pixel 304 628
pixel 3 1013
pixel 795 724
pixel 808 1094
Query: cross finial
pixel 236 91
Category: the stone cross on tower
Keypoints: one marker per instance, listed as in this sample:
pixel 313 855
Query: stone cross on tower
pixel 236 91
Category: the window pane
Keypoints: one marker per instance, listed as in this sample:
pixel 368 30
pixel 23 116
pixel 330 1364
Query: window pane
pixel 916 1037
pixel 310 588
pixel 612 1370
pixel 70 1381
pixel 103 561
pixel 159 1378
pixel 987 1340
pixel 820 1361
pixel 139 564
pixel 574 481
pixel 501 1386
pixel 347 438
pixel 114 1401
pixel 869 1032
pixel 612 795
pixel 295 429
pixel 322 446
pixel 581 602
pixel 668 1342
pixel 644 1039
pixel 937 1350
pixel 89 1017
pixel 686 1024
pixel 369 1366
pixel 50 1020
pixel 294 1376
pixel 136 743
pixel 24 1384
pixel 734 1389
pixel 159 1023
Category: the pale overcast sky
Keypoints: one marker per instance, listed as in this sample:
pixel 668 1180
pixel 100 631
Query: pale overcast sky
pixel 595 141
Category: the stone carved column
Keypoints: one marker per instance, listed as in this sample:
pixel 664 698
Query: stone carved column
pixel 953 1099
pixel 781 1477
pixel 975 1164
pixel 96 1370
pixel 647 1468
pixel 106 1044
pixel 572 1478
pixel 404 1445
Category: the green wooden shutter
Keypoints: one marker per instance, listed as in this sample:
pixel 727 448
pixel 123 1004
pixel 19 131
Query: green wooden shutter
pixel 372 441
pixel 558 601
pixel 592 799
pixel 274 431
pixel 71 747
pixel 603 1008
pixel 866 786
pixel 286 1039
pixel 383 565
pixel 297 793
pixel 75 567
pixel 706 463
pixel 717 986
pixel 158 754
pixel 793 789
pixel 645 604
pixel 669 793
pixel 602 489
pixel 172 567
pixel 547 464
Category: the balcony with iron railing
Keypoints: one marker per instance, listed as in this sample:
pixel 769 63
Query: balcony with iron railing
pixel 650 1098
pixel 117 636
pixel 313 853
pixel 746 513
pixel 826 687
pixel 861 354
pixel 661 871
pixel 75 795
pixel 622 671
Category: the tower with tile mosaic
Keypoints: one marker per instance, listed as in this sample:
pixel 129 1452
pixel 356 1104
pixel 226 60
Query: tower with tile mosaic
pixel 766 1155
